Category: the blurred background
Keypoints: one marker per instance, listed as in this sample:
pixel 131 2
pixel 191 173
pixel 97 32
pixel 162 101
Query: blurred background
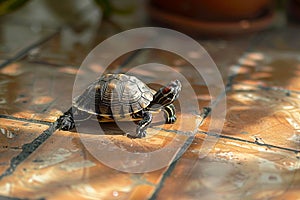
pixel 81 25
pixel 209 18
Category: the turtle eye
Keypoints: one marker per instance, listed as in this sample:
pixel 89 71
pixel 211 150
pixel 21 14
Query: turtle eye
pixel 166 90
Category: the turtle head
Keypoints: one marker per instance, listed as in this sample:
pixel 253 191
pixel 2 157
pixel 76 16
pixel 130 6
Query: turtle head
pixel 167 94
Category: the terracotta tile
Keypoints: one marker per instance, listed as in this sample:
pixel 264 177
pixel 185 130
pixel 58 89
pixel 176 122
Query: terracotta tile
pixel 232 170
pixel 45 91
pixel 262 116
pixel 12 43
pixel 194 89
pixel 60 161
pixel 293 191
pixel 67 165
pixel 41 91
pixel 14 134
pixel 224 53
pixel 36 91
pixel 269 69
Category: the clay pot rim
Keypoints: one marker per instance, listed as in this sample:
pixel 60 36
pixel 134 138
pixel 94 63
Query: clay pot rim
pixel 210 28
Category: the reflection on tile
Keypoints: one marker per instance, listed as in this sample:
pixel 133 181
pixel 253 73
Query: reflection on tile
pixel 73 165
pixel 293 192
pixel 62 167
pixel 225 52
pixel 263 116
pixel 257 156
pixel 270 68
pixel 227 172
pixel 222 53
pixel 35 91
pixel 13 135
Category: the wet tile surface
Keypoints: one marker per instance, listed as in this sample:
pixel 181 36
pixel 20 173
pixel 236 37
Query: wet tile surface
pixel 39 91
pixel 263 116
pixel 64 168
pixel 255 157
pixel 224 54
pixel 227 173
pixel 269 69
pixel 34 91
pixel 14 134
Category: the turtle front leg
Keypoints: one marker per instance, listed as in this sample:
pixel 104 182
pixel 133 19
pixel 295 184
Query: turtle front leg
pixel 170 114
pixel 66 122
pixel 143 124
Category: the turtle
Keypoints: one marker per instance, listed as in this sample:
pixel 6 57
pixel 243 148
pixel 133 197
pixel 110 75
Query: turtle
pixel 120 96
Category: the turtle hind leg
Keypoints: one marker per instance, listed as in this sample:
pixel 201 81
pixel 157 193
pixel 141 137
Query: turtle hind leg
pixel 143 124
pixel 170 114
pixel 66 122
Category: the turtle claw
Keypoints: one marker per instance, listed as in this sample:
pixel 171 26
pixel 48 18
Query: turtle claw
pixel 66 122
pixel 171 120
pixel 143 125
pixel 67 126
pixel 140 133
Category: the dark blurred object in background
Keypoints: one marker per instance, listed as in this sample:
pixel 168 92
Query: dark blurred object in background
pixel 293 10
pixel 213 17
pixel 216 10
pixel 7 6
pixel 109 7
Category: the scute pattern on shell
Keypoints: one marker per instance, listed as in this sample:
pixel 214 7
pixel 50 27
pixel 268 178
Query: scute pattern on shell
pixel 115 95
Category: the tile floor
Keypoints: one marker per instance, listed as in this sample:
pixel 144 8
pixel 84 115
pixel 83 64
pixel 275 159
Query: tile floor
pixel 256 156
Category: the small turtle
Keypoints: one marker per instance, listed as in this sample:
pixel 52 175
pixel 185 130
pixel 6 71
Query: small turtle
pixel 118 97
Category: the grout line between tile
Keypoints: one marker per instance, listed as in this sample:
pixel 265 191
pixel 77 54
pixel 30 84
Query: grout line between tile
pixel 29 148
pixel 268 88
pixel 274 88
pixel 251 142
pixel 228 88
pixel 233 138
pixel 160 185
pixel 231 82
pixel 204 114
pixel 25 120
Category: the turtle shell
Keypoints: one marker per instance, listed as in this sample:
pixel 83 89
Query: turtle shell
pixel 115 95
